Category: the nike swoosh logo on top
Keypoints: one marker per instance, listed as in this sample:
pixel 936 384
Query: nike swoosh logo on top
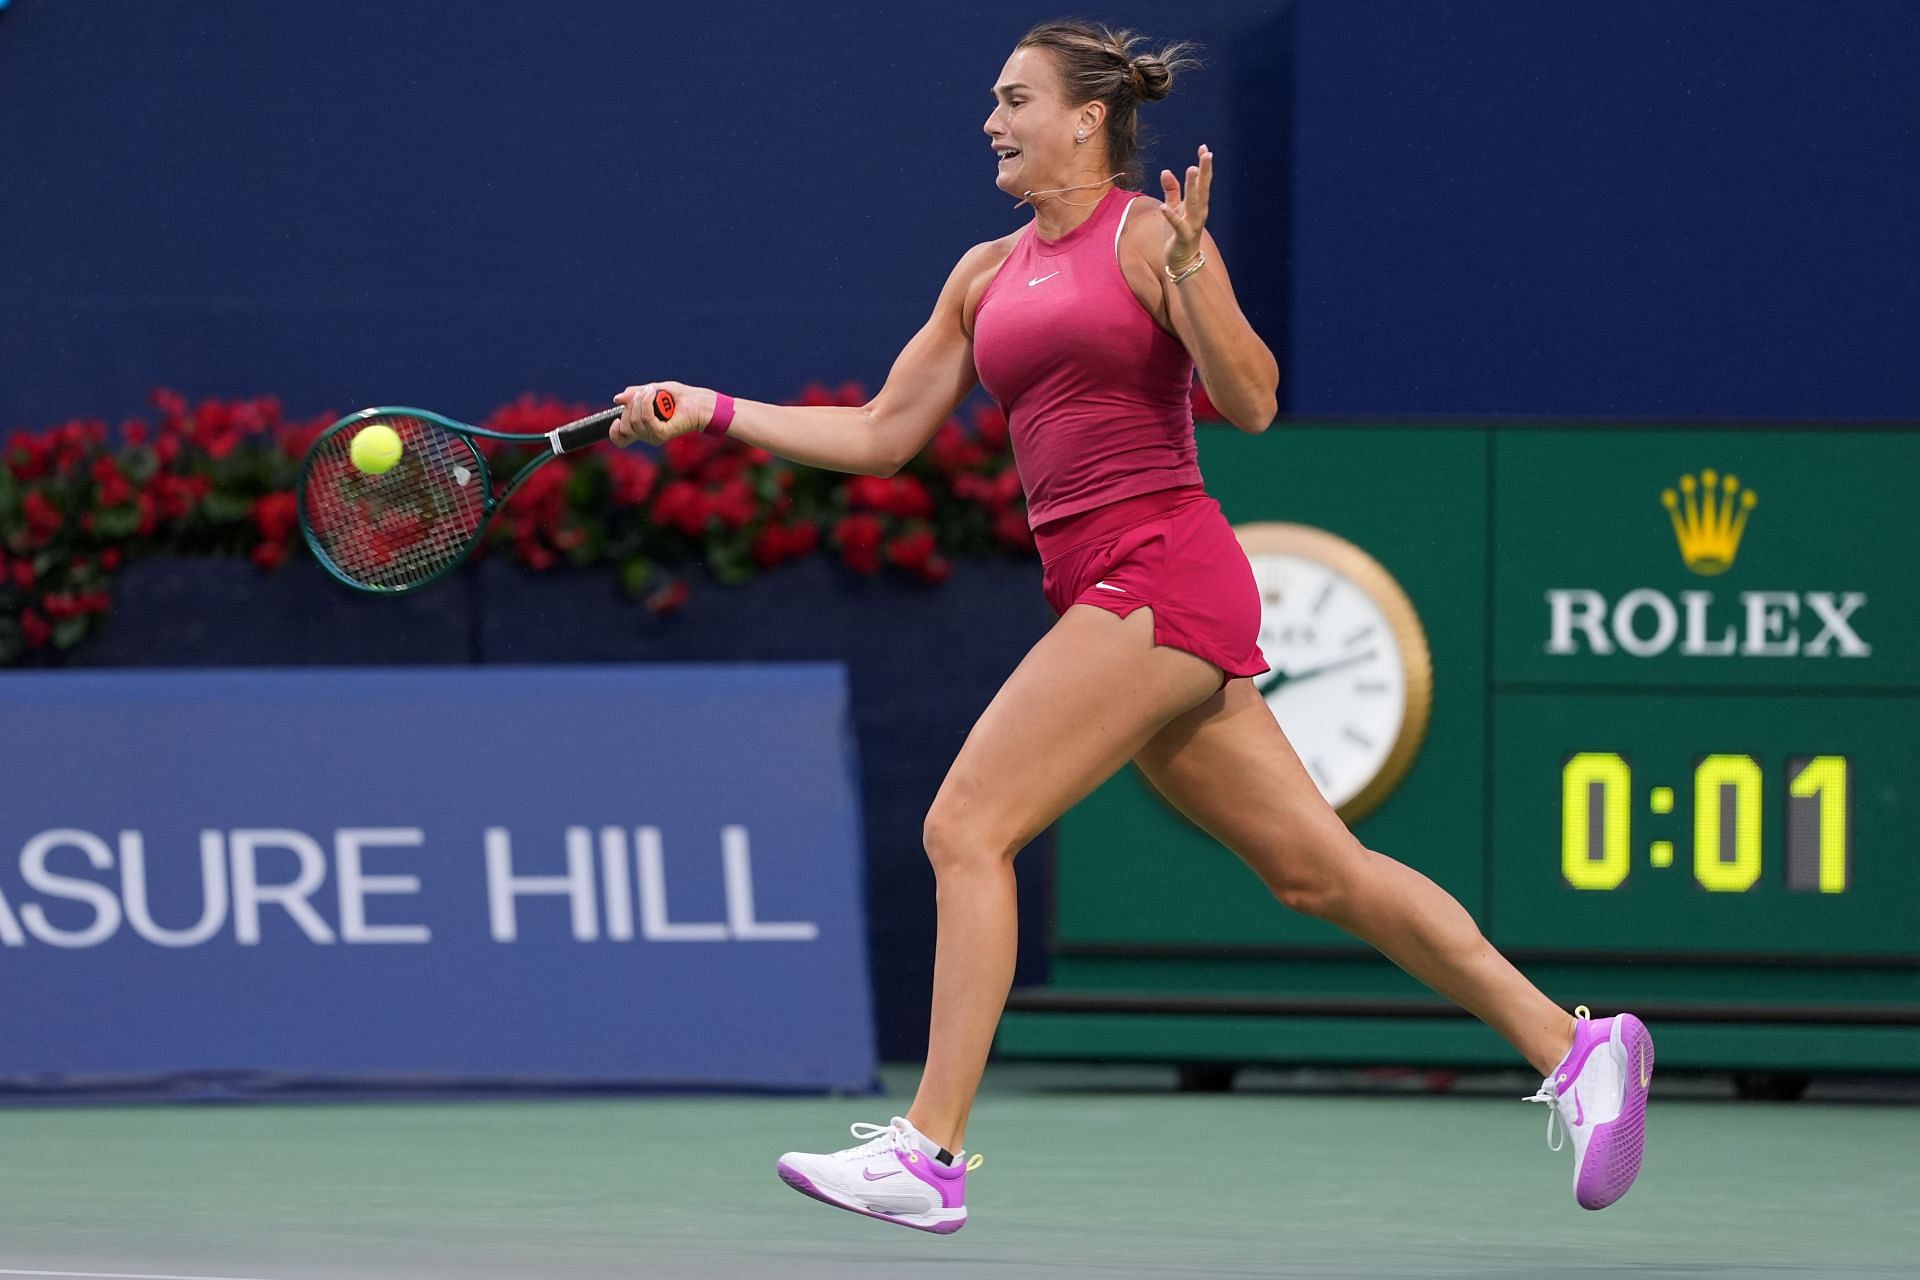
pixel 1109 587
pixel 871 1176
pixel 1041 279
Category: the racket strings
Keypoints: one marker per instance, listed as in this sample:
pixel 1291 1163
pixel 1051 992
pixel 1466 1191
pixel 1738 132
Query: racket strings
pixel 403 526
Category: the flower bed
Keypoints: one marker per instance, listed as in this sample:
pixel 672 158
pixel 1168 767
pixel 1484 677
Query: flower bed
pixel 78 501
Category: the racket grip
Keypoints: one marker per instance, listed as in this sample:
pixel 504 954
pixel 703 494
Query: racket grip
pixel 583 434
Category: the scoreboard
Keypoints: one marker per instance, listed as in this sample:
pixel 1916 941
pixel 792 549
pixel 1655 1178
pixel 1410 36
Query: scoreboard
pixel 1645 699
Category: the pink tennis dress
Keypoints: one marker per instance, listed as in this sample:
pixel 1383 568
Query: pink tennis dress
pixel 1096 397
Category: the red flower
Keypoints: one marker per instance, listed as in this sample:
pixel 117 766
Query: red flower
pixel 1203 403
pixel 955 451
pixel 681 506
pixel 543 498
pixel 133 431
pixel 23 575
pixel 34 629
pixel 668 598
pixel 1011 528
pixel 178 496
pixel 171 404
pixel 769 546
pixel 734 503
pixel 936 570
pixel 687 454
pixel 60 606
pixel 1006 488
pixel 276 515
pixel 269 555
pixel 803 538
pixel 632 476
pixel 912 551
pixel 110 559
pixel 43 518
pixel 29 457
pixel 867 493
pixel 908 499
pixel 990 425
pixel 859 539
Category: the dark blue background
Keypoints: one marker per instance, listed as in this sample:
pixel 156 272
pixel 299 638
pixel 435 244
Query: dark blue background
pixel 1684 208
pixel 1673 208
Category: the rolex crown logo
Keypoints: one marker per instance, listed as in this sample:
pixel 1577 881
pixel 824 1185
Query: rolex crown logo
pixel 1708 518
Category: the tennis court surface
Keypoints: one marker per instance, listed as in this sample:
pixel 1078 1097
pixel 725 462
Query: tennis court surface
pixel 1089 1172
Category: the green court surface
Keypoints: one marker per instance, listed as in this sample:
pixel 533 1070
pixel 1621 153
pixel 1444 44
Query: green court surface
pixel 1089 1172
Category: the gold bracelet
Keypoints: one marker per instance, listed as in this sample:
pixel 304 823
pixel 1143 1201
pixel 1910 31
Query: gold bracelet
pixel 1199 261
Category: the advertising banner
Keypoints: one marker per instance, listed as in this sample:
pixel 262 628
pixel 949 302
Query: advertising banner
pixel 541 876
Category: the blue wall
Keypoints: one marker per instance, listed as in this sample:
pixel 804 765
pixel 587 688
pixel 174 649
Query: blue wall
pixel 405 201
pixel 1668 208
pixel 1682 208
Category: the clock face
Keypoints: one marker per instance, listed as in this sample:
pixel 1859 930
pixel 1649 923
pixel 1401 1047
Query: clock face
pixel 1351 678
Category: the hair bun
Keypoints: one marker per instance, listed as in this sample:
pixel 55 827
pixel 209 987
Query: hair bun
pixel 1152 78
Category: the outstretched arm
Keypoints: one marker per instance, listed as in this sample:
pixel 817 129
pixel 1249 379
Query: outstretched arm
pixel 926 384
pixel 1241 376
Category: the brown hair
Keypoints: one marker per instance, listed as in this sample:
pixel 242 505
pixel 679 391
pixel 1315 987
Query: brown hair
pixel 1097 62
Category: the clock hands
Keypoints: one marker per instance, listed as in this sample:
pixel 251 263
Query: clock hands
pixel 1279 678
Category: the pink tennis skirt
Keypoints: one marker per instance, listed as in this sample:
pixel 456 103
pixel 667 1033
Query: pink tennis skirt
pixel 1171 552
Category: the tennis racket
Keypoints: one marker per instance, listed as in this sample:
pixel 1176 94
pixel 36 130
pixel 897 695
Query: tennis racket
pixel 412 524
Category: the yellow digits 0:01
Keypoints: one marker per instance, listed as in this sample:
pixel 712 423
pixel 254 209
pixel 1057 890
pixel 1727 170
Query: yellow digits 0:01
pixel 1826 778
pixel 1615 779
pixel 1715 773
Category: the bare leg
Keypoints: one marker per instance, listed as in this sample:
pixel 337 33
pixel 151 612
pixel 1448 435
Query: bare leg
pixel 1227 765
pixel 1086 699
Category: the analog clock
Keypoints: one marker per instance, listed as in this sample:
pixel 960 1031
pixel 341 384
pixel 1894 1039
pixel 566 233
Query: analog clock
pixel 1352 680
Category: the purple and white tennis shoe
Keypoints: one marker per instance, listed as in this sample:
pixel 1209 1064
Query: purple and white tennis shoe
pixel 893 1176
pixel 1599 1095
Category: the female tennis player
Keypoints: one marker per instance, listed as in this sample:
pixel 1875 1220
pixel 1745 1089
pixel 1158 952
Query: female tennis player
pixel 1087 325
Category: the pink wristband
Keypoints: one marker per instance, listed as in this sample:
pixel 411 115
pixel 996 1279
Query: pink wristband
pixel 722 415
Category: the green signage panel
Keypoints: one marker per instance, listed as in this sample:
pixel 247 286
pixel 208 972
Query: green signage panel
pixel 1749 826
pixel 1671 745
pixel 1722 557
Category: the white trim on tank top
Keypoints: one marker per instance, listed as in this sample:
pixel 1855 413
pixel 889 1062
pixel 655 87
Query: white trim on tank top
pixel 1121 228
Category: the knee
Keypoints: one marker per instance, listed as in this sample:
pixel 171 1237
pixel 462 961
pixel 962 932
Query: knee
pixel 1321 885
pixel 958 843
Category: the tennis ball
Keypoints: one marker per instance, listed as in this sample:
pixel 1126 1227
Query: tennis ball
pixel 376 448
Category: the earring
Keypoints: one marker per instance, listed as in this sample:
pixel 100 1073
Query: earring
pixel 1079 136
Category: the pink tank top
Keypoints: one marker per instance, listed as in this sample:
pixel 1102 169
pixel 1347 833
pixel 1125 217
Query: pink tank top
pixel 1095 392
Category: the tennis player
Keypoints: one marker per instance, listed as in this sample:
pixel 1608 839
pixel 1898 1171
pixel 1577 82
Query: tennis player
pixel 1087 325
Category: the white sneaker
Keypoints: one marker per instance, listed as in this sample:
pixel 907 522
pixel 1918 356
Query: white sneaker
pixel 888 1177
pixel 1599 1096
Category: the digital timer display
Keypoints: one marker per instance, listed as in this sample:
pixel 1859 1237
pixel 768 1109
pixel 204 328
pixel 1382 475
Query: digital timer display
pixel 1597 806
pixel 1713 824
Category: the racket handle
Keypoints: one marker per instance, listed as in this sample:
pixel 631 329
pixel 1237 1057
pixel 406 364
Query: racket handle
pixel 583 434
pixel 590 431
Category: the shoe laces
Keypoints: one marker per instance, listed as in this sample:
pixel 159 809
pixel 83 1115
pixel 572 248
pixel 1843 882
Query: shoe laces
pixel 877 1139
pixel 882 1138
pixel 1549 1093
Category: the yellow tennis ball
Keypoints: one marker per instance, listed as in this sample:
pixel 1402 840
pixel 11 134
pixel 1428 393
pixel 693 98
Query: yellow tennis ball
pixel 376 448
